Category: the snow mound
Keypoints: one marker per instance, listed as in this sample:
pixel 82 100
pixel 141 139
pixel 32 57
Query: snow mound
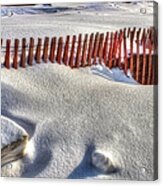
pixel 114 74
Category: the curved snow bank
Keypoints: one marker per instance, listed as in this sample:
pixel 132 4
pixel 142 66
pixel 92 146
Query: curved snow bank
pixel 76 112
pixel 114 74
pixel 13 141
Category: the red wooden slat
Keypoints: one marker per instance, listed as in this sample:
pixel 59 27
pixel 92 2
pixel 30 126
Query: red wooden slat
pixel 150 65
pixel 128 32
pixel 52 49
pixel 131 53
pixel 143 35
pixel 71 61
pixel 120 48
pixel 23 54
pixel 7 56
pixel 137 55
pixel 38 51
pixel 59 50
pixel 101 47
pixel 144 62
pixel 31 50
pixel 96 44
pixel 115 44
pixel 66 50
pixel 105 52
pixel 15 59
pixel 90 49
pixel 45 50
pixel 125 52
pixel 78 55
pixel 84 52
pixel 110 61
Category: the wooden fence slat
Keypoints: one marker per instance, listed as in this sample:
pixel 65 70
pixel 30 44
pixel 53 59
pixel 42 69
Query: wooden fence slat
pixel 105 51
pixel 71 60
pixel 84 52
pixel 150 47
pixel 16 49
pixel 52 49
pixel 78 55
pixel 7 55
pixel 131 53
pixel 125 52
pixel 115 44
pixel 110 60
pixel 90 49
pixel 143 35
pixel 150 65
pixel 128 32
pixel 101 47
pixel 66 50
pixel 96 44
pixel 23 54
pixel 59 50
pixel 120 48
pixel 137 55
pixel 31 52
pixel 134 31
pixel 144 62
pixel 45 50
pixel 38 51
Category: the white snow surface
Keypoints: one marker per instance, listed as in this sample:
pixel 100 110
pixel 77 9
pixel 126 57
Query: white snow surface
pixel 72 18
pixel 70 113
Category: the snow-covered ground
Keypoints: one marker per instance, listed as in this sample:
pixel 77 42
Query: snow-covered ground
pixel 70 115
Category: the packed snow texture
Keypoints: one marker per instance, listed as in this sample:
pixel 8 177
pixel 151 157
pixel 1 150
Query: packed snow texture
pixel 69 114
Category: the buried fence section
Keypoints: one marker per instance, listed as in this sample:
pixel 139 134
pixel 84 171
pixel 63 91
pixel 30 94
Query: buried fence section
pixel 128 49
pixel 16 50
pixel 7 56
